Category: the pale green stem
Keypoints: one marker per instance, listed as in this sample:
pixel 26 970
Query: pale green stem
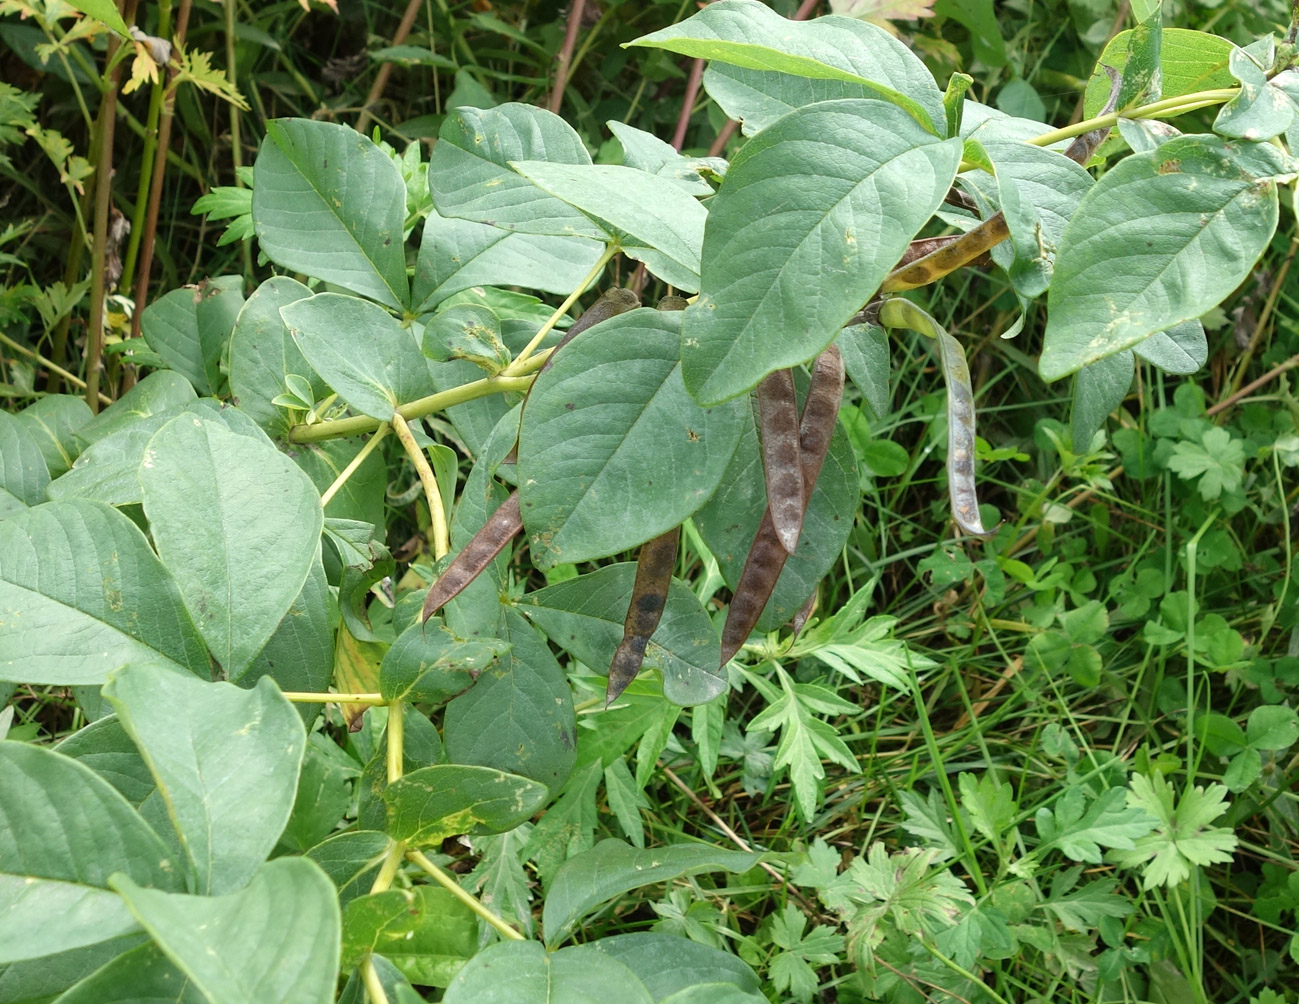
pixel 1167 108
pixel 355 462
pixel 417 409
pixel 432 494
pixel 453 887
pixel 305 697
pixel 44 363
pixel 373 988
pixel 516 367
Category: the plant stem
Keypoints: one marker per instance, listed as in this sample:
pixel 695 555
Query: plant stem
pixel 1167 108
pixel 454 887
pixel 148 159
pixel 688 104
pixel 373 987
pixel 99 253
pixel 432 494
pixel 566 55
pixel 307 697
pixel 418 409
pixel 385 69
pixel 41 361
pixel 396 740
pixel 155 185
pixel 516 367
pixel 354 463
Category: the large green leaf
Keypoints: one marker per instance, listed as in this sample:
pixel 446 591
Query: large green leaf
pixel 651 217
pixel 748 34
pixel 225 759
pixel 108 749
pixel 854 181
pixel 1098 389
pixel 237 523
pixel 262 354
pixel 668 964
pixel 1182 349
pixel 470 176
pixel 43 979
pixel 23 472
pixel 360 350
pixel 457 254
pixel 81 594
pixel 1038 191
pixel 53 421
pixel 427 932
pixel 731 518
pixel 274 942
pixel 109 469
pixel 430 804
pixel 330 203
pixel 156 392
pixel 63 831
pixel 1161 238
pixel 519 716
pixel 1189 61
pixel 299 655
pixel 351 860
pixel 522 972
pixel 585 617
pixel 612 867
pixel 189 327
pixel 142 976
pixel 430 665
pixel 612 450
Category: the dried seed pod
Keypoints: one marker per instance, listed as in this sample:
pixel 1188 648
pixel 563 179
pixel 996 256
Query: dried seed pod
pixel 960 436
pixel 649 596
pixel 766 558
pixel 1082 148
pixel 778 416
pixel 948 258
pixel 900 313
pixel 612 303
pixel 485 545
pixel 800 619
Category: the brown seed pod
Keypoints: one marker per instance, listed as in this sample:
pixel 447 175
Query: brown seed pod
pixel 766 558
pixel 672 302
pixel 612 303
pixel 485 545
pixel 1082 148
pixel 649 596
pixel 778 417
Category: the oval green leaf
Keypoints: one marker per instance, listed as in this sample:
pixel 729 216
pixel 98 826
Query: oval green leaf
pixel 519 715
pixel 522 972
pixel 430 804
pixel 274 942
pixel 237 523
pixel 470 176
pixel 584 616
pixel 612 450
pixel 855 180
pixel 225 759
pixel 262 354
pixel 59 626
pixel 330 203
pixel 1160 239
pixel 360 350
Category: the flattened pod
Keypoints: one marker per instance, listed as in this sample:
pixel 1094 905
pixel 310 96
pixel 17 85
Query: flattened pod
pixel 649 595
pixel 778 412
pixel 612 303
pixel 960 436
pixel 900 313
pixel 485 545
pixel 767 556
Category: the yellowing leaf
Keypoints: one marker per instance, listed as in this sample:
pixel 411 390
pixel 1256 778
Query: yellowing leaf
pixel 883 11
pixel 143 69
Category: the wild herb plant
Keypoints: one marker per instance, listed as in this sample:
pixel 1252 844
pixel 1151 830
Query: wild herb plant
pixel 210 560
